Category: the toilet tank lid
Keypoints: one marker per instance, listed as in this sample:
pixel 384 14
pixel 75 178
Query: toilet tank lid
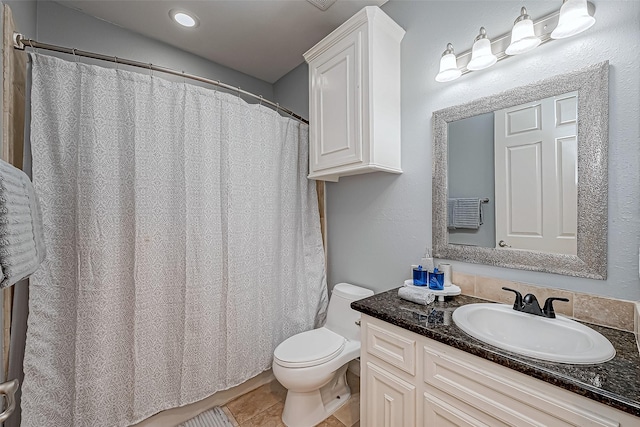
pixel 351 292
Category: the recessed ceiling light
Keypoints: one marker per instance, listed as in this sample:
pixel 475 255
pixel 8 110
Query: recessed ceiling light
pixel 183 18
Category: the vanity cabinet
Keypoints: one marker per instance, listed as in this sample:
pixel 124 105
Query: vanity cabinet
pixel 354 98
pixel 410 380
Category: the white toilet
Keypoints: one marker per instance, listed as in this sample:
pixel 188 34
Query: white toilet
pixel 312 365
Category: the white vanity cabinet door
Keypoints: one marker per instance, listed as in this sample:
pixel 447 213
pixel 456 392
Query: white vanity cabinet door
pixel 354 98
pixel 391 400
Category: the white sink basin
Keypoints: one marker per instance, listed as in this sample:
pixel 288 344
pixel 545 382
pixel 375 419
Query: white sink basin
pixel 557 340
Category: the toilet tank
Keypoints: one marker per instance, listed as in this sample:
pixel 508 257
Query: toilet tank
pixel 341 318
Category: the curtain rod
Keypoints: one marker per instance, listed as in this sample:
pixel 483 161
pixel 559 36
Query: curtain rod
pixel 20 43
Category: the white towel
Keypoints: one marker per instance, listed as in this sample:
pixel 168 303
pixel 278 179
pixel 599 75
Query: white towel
pixel 212 418
pixel 21 235
pixel 419 296
pixel 464 213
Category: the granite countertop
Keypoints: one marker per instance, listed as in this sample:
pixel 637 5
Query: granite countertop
pixel 615 383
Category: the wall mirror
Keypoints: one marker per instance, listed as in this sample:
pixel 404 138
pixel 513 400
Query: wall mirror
pixel 520 178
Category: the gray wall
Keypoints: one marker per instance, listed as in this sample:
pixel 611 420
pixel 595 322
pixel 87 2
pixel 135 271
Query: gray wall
pixel 24 15
pixel 471 173
pixel 380 223
pixel 292 90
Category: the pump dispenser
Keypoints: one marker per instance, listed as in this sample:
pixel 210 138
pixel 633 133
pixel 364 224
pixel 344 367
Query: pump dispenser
pixel 427 261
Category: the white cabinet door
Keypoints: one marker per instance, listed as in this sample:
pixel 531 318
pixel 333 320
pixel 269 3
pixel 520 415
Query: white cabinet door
pixel 536 175
pixel 336 109
pixel 391 401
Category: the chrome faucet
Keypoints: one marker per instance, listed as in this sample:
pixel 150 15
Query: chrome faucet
pixel 529 304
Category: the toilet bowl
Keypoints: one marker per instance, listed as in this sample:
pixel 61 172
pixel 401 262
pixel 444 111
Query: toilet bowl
pixel 312 365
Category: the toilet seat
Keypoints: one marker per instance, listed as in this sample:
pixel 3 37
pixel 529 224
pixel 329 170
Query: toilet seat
pixel 309 348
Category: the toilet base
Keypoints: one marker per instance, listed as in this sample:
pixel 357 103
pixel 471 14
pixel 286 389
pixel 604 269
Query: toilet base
pixel 311 408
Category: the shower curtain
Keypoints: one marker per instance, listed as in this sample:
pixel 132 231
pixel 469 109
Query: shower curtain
pixel 183 244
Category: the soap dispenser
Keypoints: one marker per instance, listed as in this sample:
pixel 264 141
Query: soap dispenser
pixel 427 261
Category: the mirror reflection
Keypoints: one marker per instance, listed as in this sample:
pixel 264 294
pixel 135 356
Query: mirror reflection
pixel 513 177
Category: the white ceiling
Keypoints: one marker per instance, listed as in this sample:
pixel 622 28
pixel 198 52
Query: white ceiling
pixel 262 38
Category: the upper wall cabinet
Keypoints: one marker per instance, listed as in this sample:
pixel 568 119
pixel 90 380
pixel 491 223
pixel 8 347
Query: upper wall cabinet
pixel 354 101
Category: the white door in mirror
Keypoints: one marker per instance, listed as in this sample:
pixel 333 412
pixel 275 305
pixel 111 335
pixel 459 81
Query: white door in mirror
pixel 536 175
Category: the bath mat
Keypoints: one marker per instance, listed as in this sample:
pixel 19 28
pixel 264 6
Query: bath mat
pixel 212 418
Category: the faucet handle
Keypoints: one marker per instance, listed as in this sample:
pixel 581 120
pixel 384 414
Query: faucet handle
pixel 530 305
pixel 548 310
pixel 517 305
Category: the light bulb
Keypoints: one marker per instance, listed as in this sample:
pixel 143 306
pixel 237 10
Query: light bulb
pixel 523 38
pixel 481 55
pixel 448 66
pixel 183 18
pixel 574 19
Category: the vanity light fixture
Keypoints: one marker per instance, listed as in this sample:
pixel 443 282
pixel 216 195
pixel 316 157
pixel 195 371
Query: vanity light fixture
pixel 574 19
pixel 183 18
pixel 448 66
pixel 481 55
pixel 523 37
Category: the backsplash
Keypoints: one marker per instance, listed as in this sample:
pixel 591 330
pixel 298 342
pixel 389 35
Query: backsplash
pixel 610 312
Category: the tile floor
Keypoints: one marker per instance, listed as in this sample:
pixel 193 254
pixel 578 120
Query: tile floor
pixel 263 406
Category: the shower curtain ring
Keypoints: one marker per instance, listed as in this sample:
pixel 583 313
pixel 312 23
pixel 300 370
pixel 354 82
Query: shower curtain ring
pixel 115 59
pixel 31 44
pixel 260 99
pixel 238 90
pixel 150 69
pixel 277 106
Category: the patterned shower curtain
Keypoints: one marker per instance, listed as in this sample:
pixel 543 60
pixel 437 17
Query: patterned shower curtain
pixel 183 244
